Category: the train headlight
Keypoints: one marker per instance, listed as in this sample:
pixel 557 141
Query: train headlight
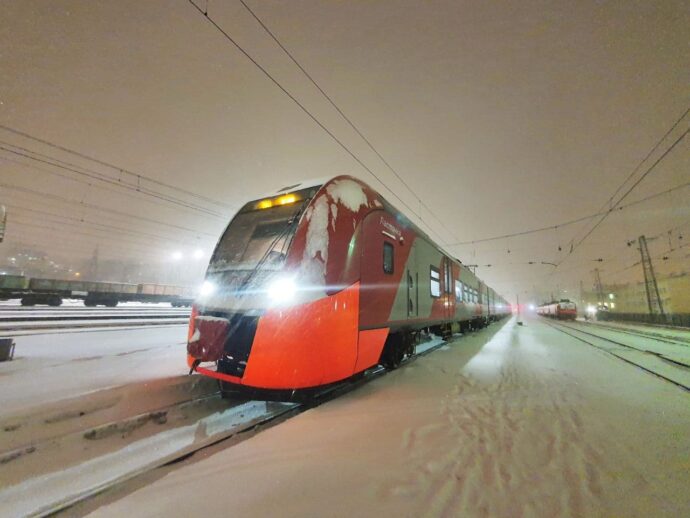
pixel 206 289
pixel 282 290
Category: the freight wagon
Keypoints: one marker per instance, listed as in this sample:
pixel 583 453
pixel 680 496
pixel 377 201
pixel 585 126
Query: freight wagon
pixel 34 291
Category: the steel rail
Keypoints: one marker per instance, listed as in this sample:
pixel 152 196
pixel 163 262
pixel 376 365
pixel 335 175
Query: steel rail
pixel 559 327
pixel 640 333
pixel 318 399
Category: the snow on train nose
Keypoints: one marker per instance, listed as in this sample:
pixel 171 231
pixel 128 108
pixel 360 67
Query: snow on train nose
pixel 208 338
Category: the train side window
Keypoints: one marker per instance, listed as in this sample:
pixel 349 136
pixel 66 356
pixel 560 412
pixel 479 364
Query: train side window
pixel 435 282
pixel 388 256
pixel 458 291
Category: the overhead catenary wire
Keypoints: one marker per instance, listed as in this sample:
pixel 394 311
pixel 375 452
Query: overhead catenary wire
pixel 119 169
pixel 651 152
pixel 105 227
pixel 572 221
pixel 71 241
pixel 296 101
pixel 659 256
pixel 77 203
pixel 649 170
pixel 345 117
pixel 39 169
pixel 142 247
pixel 96 176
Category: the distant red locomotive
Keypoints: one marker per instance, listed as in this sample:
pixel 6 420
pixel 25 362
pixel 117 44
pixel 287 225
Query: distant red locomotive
pixel 562 310
pixel 320 282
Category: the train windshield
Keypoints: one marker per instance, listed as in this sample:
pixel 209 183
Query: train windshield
pixel 260 234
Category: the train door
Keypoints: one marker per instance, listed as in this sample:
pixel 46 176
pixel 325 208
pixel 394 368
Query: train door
pixel 412 275
pixel 448 298
pixel 480 298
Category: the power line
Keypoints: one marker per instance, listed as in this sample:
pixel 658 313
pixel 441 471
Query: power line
pixel 99 208
pixel 342 114
pixel 644 175
pixel 572 221
pixel 651 152
pixel 227 36
pixel 142 249
pixel 122 170
pixel 80 245
pixel 33 167
pixel 105 227
pixel 94 175
pixel 661 255
pixel 71 233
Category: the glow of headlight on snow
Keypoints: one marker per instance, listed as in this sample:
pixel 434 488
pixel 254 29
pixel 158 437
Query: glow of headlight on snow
pixel 591 309
pixel 531 307
pixel 491 357
pixel 176 256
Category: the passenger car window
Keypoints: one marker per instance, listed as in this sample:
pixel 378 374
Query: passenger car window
pixel 458 291
pixel 435 282
pixel 388 253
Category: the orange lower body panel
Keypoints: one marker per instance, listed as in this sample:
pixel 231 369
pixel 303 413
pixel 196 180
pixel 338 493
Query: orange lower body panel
pixel 306 345
pixel 369 348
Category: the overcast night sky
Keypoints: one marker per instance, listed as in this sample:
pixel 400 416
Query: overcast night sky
pixel 501 116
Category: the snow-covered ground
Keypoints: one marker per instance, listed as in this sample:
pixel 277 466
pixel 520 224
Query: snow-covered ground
pixel 671 333
pixel 56 366
pixel 510 421
pixel 78 303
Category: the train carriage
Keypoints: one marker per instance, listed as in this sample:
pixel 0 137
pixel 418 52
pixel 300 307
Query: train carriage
pixel 560 310
pixel 319 283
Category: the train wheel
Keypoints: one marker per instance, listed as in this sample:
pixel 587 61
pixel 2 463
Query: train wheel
pixel 226 391
pixel 28 301
pixel 397 346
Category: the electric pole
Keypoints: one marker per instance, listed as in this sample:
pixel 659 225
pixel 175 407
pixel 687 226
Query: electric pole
pixel 650 284
pixel 598 286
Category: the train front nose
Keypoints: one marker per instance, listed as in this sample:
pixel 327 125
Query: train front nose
pixel 224 338
pixel 208 338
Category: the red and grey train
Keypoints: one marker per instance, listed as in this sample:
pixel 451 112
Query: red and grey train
pixel 318 283
pixel 561 310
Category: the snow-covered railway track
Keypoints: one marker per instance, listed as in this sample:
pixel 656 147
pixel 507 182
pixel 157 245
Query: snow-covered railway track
pixel 11 324
pixel 57 490
pixel 131 315
pixel 670 339
pixel 671 366
pixel 63 489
